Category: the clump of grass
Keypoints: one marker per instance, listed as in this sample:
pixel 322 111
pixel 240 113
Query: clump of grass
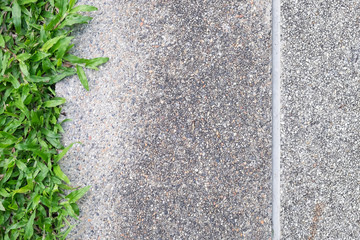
pixel 34 44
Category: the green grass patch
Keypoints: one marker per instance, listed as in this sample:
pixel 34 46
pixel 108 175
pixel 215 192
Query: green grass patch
pixel 36 199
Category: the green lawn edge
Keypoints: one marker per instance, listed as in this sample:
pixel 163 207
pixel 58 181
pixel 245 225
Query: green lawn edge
pixel 36 198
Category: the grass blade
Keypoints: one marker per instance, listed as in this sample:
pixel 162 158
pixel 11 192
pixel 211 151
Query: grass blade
pixel 38 79
pixel 63 152
pixel 2 207
pixel 83 8
pixel 76 195
pixel 50 43
pixel 93 63
pixel 74 19
pixel 24 68
pixel 29 228
pixel 16 15
pixel 72 3
pixel 59 77
pixel 23 2
pixel 81 73
pixel 39 56
pixel 60 174
pixel 2 41
pixel 23 56
pixel 5 61
pixel 54 103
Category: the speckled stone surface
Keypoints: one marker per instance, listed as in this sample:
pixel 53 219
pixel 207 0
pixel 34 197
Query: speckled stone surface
pixel 321 120
pixel 176 129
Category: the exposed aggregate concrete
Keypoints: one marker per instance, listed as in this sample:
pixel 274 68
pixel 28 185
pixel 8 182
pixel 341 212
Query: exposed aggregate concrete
pixel 320 177
pixel 176 128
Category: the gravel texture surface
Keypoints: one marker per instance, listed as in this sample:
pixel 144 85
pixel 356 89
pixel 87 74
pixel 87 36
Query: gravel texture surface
pixel 321 120
pixel 176 128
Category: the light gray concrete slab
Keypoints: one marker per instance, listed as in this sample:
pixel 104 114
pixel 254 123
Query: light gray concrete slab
pixel 320 124
pixel 176 129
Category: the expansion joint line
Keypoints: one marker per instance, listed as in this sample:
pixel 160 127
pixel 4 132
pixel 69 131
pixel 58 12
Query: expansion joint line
pixel 276 93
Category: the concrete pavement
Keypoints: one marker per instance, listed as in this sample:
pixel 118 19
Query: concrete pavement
pixel 176 129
